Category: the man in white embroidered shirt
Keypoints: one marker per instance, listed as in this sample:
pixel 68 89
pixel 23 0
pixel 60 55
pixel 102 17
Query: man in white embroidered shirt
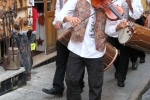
pixel 87 47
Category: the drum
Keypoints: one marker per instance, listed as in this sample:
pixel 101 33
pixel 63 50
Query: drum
pixel 139 39
pixel 109 57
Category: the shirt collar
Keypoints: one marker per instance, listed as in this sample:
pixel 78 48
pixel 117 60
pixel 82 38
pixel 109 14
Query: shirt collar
pixel 89 1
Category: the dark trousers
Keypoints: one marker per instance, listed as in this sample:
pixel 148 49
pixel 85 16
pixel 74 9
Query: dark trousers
pixel 61 64
pixel 141 54
pixel 122 61
pixel 141 21
pixel 134 54
pixel 75 68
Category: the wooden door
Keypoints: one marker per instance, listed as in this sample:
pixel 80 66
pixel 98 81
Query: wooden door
pixel 50 32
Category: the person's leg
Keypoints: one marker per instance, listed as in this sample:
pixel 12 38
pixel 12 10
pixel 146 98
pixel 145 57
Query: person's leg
pixel 74 71
pixel 95 69
pixel 142 56
pixel 123 65
pixel 122 61
pixel 134 57
pixel 115 43
pixel 61 64
pixel 141 21
pixel 81 81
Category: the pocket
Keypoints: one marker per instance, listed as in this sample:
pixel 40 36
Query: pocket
pixel 100 68
pixel 99 76
pixel 99 72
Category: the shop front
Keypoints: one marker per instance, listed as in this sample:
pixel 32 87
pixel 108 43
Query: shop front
pixel 27 36
pixel 45 33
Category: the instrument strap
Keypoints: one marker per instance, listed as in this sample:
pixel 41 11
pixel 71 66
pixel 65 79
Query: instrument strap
pixel 146 21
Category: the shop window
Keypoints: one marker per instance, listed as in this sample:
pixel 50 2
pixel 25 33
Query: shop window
pixel 39 5
pixel 49 5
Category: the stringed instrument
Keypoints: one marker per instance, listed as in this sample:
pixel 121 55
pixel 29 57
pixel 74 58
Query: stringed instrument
pixel 113 12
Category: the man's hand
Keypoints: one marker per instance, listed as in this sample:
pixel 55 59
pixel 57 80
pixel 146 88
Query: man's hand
pixel 58 25
pixel 73 20
pixel 123 24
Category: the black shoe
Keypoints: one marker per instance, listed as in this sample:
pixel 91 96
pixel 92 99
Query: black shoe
pixel 81 90
pixel 142 60
pixel 134 65
pixel 53 91
pixel 121 83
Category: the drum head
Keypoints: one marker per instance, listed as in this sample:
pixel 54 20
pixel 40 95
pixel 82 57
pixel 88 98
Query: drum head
pixel 124 35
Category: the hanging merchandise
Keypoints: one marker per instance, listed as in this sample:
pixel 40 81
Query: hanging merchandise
pixel 21 3
pixel 9 58
pixel 39 41
pixel 34 17
pixel 25 21
pixel 41 19
pixel 30 2
pixel 1 32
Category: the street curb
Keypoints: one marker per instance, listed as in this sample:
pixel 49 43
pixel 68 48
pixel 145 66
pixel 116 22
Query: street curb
pixel 140 90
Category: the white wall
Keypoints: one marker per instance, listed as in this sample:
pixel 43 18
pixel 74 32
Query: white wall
pixel 40 32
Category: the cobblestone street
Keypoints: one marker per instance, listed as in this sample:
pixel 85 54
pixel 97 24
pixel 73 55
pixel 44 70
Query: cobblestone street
pixel 42 77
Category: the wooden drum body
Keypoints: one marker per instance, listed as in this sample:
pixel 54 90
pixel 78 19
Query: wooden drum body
pixel 109 57
pixel 139 39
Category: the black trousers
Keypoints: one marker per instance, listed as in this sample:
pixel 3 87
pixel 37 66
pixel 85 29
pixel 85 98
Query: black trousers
pixel 61 64
pixel 134 54
pixel 141 54
pixel 122 61
pixel 75 68
pixel 140 21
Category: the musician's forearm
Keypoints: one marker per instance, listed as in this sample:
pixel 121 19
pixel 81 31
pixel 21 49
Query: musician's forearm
pixel 118 27
pixel 73 20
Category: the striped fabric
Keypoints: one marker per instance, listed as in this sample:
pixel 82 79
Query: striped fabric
pixel 126 10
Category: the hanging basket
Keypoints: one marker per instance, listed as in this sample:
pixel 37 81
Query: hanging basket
pixel 41 19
